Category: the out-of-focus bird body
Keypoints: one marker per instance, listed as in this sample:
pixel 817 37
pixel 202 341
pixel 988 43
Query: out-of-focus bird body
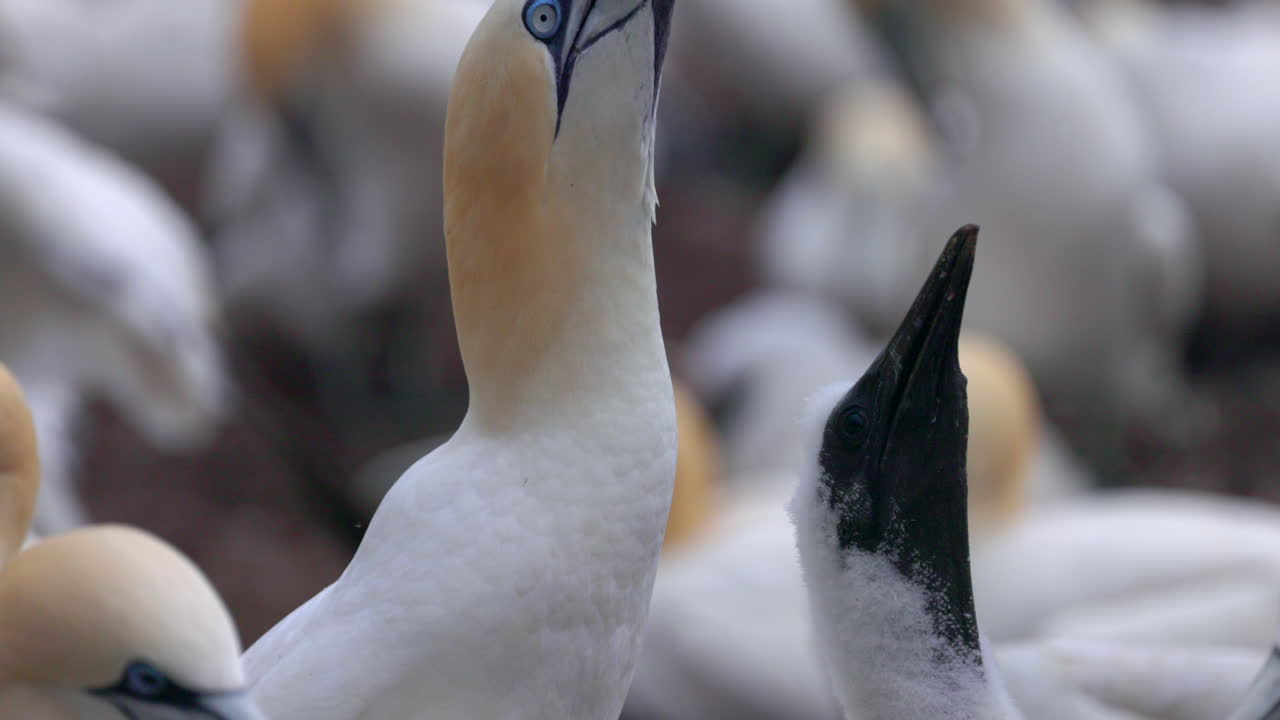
pixel 108 292
pixel 1091 255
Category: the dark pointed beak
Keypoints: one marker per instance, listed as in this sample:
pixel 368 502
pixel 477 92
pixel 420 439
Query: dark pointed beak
pixel 925 349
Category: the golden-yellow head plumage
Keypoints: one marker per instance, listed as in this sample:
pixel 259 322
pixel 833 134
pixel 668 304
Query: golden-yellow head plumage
pixel 279 38
pixel 77 609
pixel 19 467
pixel 1004 429
pixel 544 160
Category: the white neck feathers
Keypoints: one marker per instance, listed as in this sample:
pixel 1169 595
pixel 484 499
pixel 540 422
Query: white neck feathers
pixel 886 657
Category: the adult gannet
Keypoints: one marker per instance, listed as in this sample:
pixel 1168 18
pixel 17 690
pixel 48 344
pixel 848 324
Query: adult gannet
pixel 106 290
pixel 106 622
pixel 882 533
pixel 1095 256
pixel 508 573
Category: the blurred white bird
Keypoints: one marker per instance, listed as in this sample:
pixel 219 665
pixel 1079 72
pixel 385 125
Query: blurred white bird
pixel 325 187
pixel 1197 72
pixel 753 61
pixel 758 360
pixel 147 78
pixel 103 622
pixel 106 291
pixel 1093 270
pixel 844 224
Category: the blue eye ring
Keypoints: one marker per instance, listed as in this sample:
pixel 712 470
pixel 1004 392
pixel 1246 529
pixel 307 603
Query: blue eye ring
pixel 543 18
pixel 145 681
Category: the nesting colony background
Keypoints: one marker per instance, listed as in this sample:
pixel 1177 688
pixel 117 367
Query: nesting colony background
pixel 269 176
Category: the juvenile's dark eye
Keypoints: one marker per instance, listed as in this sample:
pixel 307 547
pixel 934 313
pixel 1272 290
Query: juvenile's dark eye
pixel 852 426
pixel 145 681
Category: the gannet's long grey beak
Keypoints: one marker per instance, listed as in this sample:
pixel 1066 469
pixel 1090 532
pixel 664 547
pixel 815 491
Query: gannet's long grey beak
pixel 600 18
pixel 1262 702
pixel 230 706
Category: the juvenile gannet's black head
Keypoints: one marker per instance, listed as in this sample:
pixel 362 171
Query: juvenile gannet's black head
pixel 892 459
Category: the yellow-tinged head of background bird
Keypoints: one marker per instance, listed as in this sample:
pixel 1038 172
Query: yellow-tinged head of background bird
pixel 1004 429
pixel 19 467
pixel 699 471
pixel 110 621
pixel 280 38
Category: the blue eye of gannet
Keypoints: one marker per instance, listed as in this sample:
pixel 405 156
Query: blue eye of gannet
pixel 145 681
pixel 543 18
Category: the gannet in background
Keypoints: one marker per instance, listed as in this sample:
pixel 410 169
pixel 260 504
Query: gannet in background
pixel 844 222
pixel 104 622
pixel 1094 257
pixel 147 78
pixel 1196 71
pixel 508 573
pixel 106 291
pixel 757 360
pixel 880 516
pixel 737 60
pixel 325 184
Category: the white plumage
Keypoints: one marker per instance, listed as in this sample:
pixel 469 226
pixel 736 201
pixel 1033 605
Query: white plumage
pixel 107 292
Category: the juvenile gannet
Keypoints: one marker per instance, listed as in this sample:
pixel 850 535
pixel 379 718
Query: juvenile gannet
pixel 106 290
pixel 106 622
pixel 508 573
pixel 1094 255
pixel 882 533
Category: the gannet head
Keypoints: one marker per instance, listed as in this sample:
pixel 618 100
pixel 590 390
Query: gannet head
pixel 548 167
pixel 110 622
pixel 698 470
pixel 554 101
pixel 1004 429
pixel 19 467
pixel 890 483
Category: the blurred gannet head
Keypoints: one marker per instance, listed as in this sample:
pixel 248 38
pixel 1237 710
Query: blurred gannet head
pixel 698 471
pixel 19 467
pixel 1004 429
pixel 548 172
pixel 110 622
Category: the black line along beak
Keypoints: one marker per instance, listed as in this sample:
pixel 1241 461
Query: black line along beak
pixel 599 21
